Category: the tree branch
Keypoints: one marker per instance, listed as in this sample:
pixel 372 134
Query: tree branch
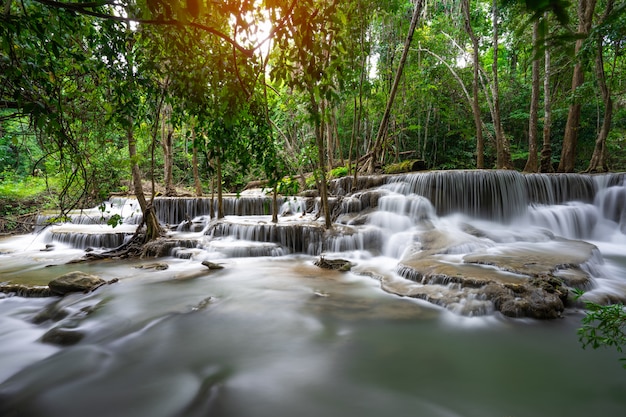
pixel 84 8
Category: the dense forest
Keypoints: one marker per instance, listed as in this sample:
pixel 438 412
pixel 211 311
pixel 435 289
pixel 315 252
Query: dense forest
pixel 96 96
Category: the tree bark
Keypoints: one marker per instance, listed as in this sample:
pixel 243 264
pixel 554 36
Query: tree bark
pixel 275 204
pixel 546 150
pixel 194 164
pixel 384 123
pixel 480 141
pixel 153 228
pixel 598 162
pixel 570 139
pixel 503 152
pixel 321 165
pixel 533 120
pixel 167 133
pixel 220 205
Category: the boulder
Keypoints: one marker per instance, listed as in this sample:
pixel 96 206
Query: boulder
pixel 334 264
pixel 62 336
pixel 212 265
pixel 76 281
pixel 157 266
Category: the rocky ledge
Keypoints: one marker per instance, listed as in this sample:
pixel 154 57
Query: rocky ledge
pixel 518 279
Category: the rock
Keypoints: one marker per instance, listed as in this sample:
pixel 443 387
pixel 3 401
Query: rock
pixel 334 264
pixel 212 265
pixel 75 282
pixel 62 336
pixel 26 291
pixel 157 266
pixel 519 280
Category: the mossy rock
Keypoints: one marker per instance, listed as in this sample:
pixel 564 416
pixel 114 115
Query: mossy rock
pixel 406 166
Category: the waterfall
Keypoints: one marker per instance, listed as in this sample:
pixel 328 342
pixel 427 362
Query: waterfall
pixel 382 214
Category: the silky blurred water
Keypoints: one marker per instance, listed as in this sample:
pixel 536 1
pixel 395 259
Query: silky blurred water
pixel 277 336
pixel 281 337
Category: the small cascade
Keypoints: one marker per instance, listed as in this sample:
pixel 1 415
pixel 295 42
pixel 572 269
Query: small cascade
pixel 571 220
pixel 84 240
pixel 559 188
pixel 175 210
pixel 294 238
pixel 495 195
pixel 611 203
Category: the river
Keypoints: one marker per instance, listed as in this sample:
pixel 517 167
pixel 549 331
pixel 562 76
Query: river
pixel 278 336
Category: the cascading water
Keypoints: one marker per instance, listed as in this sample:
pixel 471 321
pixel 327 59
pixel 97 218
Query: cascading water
pixel 272 334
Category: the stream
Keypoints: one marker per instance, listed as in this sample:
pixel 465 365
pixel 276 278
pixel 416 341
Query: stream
pixel 271 334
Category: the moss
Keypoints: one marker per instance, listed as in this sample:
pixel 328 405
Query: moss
pixel 405 166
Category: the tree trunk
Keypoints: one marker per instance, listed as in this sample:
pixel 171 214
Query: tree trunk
pixel 546 150
pixel 220 205
pixel 532 162
pixel 194 164
pixel 153 228
pixel 568 153
pixel 275 204
pixel 384 123
pixel 167 133
pixel 480 141
pixel 503 156
pixel 598 161
pixel 321 165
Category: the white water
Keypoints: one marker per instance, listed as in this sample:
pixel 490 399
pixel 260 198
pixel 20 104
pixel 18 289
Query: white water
pixel 273 335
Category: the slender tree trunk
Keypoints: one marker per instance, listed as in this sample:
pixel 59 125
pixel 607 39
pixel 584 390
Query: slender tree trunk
pixel 194 164
pixel 212 209
pixel 153 228
pixel 480 141
pixel 384 123
pixel 546 150
pixel 533 122
pixel 275 204
pixel 568 153
pixel 598 161
pixel 220 205
pixel 503 156
pixel 167 133
pixel 321 165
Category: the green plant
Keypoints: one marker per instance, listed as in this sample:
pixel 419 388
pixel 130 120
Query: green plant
pixel 288 186
pixel 603 325
pixel 339 172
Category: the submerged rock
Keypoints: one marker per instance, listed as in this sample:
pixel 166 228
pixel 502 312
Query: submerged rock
pixel 62 336
pixel 25 290
pixel 212 265
pixel 522 279
pixel 334 264
pixel 157 266
pixel 76 281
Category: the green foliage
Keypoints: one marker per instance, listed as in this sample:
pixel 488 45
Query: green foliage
pixel 114 220
pixel 339 172
pixel 288 186
pixel 603 326
pixel 12 186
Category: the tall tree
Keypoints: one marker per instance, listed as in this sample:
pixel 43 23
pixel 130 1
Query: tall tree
pixel 480 142
pixel 503 151
pixel 376 149
pixel 598 162
pixel 568 154
pixel 546 149
pixel 532 162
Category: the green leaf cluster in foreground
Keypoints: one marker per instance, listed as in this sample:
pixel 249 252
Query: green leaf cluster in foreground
pixel 604 325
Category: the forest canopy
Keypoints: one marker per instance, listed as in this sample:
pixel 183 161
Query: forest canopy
pixel 96 96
